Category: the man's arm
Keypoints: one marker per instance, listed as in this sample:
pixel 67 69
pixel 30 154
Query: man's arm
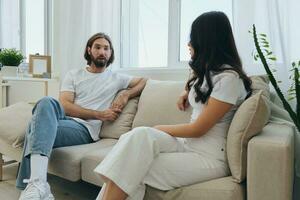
pixel 73 110
pixel 134 89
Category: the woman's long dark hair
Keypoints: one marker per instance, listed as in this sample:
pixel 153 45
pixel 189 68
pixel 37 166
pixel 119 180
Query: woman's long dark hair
pixel 213 43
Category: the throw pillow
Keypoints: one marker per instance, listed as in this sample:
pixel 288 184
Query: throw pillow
pixel 248 121
pixel 123 123
pixel 261 82
pixel 14 121
pixel 157 104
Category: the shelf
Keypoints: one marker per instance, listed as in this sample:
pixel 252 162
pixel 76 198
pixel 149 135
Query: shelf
pixel 16 78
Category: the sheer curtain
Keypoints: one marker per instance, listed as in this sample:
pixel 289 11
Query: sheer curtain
pixel 74 21
pixel 277 19
pixel 9 24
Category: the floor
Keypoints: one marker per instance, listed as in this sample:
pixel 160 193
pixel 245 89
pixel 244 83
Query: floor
pixel 61 188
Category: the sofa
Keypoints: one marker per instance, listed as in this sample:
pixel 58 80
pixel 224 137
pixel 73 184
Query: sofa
pixel 260 151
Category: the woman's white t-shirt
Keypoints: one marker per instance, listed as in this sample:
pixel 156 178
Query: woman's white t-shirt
pixel 229 88
pixel 94 91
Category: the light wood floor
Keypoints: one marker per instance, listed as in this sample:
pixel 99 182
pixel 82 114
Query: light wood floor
pixel 61 188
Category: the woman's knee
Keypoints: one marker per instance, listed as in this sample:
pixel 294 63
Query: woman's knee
pixel 138 132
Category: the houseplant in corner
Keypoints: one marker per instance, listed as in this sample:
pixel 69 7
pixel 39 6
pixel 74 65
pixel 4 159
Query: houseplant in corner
pixel 10 59
pixel 263 53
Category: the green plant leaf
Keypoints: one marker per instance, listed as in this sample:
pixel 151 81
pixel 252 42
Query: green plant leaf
pixel 291 98
pixel 264 42
pixel 263 35
pixel 272 58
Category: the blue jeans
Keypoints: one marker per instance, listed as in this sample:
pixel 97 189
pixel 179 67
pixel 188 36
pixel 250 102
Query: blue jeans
pixel 49 128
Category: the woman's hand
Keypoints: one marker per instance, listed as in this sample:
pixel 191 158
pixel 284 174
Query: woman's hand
pixel 183 102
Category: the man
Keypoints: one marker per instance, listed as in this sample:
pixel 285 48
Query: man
pixel 87 98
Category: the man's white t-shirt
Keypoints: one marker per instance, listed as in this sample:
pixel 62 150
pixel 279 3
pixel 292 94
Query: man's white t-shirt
pixel 94 91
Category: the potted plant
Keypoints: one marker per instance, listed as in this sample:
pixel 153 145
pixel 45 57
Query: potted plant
pixel 10 60
pixel 263 53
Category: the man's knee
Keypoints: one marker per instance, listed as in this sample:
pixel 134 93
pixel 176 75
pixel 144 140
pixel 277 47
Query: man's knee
pixel 46 103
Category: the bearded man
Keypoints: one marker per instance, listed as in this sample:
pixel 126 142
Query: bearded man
pixel 87 98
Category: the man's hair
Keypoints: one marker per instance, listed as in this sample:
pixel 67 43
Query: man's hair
pixel 90 43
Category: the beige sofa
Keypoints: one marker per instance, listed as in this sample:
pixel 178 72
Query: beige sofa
pixel 261 162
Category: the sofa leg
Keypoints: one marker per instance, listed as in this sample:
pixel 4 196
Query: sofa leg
pixel 1 167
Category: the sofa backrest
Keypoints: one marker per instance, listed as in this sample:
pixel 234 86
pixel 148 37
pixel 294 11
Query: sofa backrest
pixel 157 104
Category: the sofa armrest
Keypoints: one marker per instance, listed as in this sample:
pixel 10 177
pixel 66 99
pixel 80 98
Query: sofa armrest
pixel 270 164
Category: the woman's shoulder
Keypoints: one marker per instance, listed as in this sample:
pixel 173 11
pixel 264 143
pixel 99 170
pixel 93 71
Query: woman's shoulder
pixel 227 73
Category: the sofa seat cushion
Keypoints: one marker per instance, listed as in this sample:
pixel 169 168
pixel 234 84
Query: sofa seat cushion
pixel 222 188
pixel 90 162
pixel 65 162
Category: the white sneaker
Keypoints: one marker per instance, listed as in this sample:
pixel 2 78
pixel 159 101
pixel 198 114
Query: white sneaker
pixel 36 190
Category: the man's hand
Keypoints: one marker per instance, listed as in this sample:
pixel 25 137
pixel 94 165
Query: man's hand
pixel 110 114
pixel 120 101
pixel 183 102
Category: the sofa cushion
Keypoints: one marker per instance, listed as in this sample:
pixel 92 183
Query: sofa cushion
pixel 66 161
pixel 90 161
pixel 261 82
pixel 248 121
pixel 121 125
pixel 222 188
pixel 14 121
pixel 157 104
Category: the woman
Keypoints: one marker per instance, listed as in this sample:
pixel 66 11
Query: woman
pixel 170 156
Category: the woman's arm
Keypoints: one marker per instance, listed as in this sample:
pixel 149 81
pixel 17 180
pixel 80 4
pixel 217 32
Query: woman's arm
pixel 211 114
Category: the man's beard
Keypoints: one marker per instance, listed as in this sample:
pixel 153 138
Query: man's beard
pixel 99 62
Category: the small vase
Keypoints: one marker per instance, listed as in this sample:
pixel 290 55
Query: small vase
pixel 9 71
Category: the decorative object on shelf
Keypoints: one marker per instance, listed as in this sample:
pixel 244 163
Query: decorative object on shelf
pixel 23 70
pixel 263 53
pixel 10 59
pixel 40 66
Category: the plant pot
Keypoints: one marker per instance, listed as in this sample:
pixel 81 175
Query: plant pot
pixel 9 70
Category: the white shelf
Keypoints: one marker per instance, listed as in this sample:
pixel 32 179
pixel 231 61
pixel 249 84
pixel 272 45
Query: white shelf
pixel 16 78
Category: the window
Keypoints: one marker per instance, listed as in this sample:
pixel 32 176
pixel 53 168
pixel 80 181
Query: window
pixel 25 26
pixel 155 33
pixel 9 24
pixel 146 37
pixel 33 25
pixel 190 10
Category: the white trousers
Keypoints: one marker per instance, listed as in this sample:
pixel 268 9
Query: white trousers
pixel 147 156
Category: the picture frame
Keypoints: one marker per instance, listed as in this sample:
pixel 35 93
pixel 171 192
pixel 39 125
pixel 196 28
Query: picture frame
pixel 40 66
